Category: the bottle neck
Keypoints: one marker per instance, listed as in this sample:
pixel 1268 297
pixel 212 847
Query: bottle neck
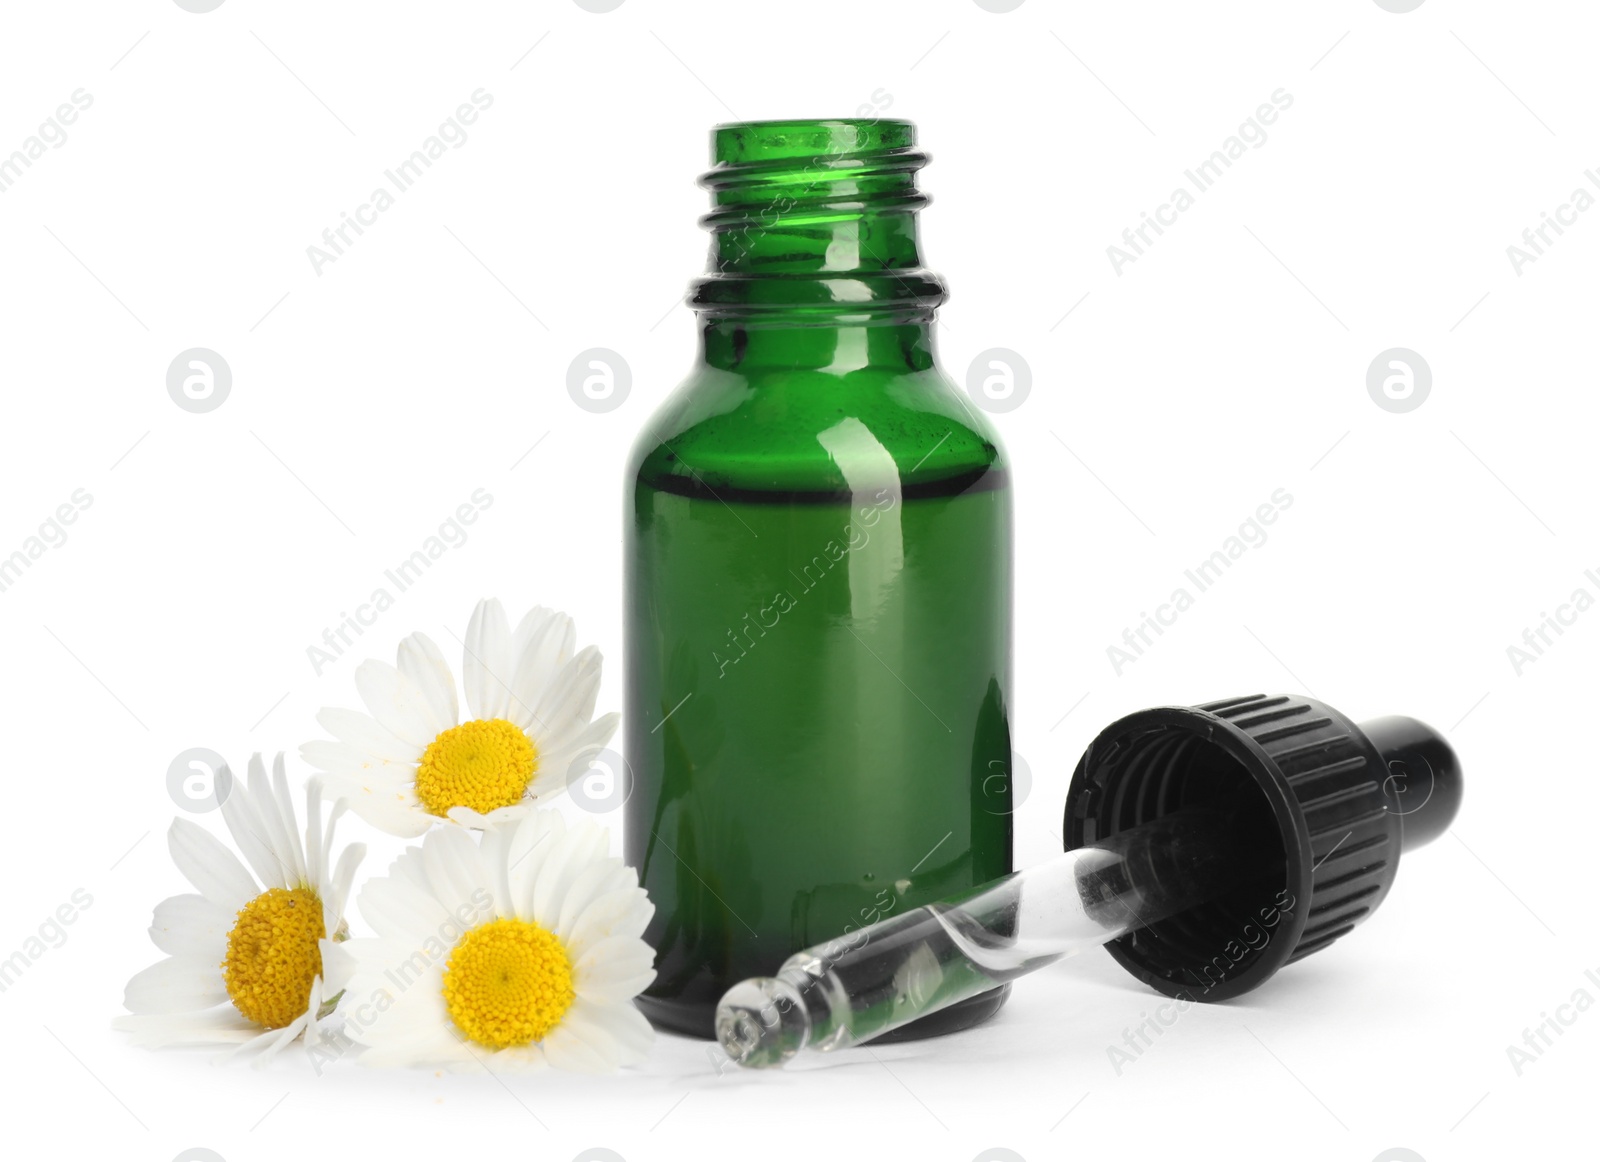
pixel 837 347
pixel 814 259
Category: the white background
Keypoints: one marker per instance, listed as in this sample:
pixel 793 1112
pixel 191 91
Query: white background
pixel 1168 401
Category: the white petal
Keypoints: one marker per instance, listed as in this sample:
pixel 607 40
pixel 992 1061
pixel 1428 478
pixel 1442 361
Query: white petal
pixel 535 840
pixel 191 925
pixel 251 834
pixel 621 911
pixel 176 985
pixel 411 1026
pixel 486 666
pixel 590 882
pixel 577 1049
pixel 421 664
pixel 339 965
pixel 338 887
pixel 408 866
pixel 341 758
pixel 560 766
pixel 390 809
pixel 290 853
pixel 378 976
pixel 316 867
pixel 625 1025
pixel 340 806
pixel 268 827
pixel 416 1015
pixel 455 872
pixel 533 626
pixel 366 735
pixel 583 843
pixel 493 845
pixel 538 665
pixel 590 1039
pixel 614 970
pixel 266 1045
pixel 214 870
pixel 223 1024
pixel 566 705
pixel 394 702
pixel 397 909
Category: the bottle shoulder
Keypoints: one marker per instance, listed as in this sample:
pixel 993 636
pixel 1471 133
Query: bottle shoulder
pixel 811 430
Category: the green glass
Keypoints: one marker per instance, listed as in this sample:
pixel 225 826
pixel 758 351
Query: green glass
pixel 818 555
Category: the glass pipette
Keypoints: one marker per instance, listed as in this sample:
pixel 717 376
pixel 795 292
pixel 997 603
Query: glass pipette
pixel 883 976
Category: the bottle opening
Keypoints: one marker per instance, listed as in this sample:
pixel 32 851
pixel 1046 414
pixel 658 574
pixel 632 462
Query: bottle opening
pixel 745 142
pixel 815 222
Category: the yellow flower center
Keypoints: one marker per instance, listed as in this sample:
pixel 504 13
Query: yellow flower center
pixel 273 955
pixel 507 982
pixel 482 764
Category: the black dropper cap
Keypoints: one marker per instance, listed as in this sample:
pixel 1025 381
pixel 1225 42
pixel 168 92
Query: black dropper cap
pixel 1321 810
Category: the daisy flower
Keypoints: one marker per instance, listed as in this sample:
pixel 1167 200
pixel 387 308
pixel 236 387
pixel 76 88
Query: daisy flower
pixel 244 955
pixel 522 948
pixel 411 760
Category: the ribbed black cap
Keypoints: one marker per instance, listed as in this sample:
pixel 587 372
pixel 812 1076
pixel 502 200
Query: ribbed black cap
pixel 1321 809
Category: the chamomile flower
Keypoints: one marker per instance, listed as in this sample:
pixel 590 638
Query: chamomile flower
pixel 244 955
pixel 411 759
pixel 522 948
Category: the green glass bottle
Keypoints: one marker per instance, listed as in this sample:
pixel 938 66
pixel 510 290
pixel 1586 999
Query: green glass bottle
pixel 818 610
